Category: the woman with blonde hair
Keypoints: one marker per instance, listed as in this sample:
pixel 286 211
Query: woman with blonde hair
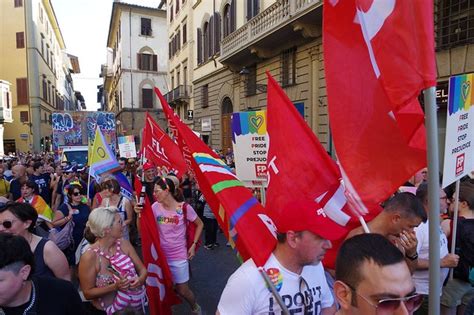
pixel 111 274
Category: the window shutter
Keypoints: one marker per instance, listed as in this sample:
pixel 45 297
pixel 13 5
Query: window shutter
pixel 155 63
pixel 256 7
pixel 20 40
pixel 249 9
pixel 199 46
pixel 217 30
pixel 210 50
pixel 139 61
pixel 22 91
pixel 232 17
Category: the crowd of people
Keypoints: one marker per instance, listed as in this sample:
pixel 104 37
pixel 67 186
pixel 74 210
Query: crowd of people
pixel 64 240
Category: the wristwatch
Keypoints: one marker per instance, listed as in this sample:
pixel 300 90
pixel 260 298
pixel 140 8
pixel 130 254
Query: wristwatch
pixel 414 257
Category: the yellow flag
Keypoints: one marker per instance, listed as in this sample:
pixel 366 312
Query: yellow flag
pixel 102 158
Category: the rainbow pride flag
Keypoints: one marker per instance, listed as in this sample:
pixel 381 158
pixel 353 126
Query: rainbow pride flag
pixel 461 96
pixel 41 207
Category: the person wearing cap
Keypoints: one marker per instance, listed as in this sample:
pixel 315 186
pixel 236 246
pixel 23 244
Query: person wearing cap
pixel 304 234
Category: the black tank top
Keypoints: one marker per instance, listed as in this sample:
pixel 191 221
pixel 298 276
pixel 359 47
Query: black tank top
pixel 41 269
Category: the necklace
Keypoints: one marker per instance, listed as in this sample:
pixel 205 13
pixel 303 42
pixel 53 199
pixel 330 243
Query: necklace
pixel 33 299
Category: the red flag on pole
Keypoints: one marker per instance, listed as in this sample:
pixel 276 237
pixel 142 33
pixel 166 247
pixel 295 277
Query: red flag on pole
pixel 159 285
pixel 378 55
pixel 160 149
pixel 308 172
pixel 237 211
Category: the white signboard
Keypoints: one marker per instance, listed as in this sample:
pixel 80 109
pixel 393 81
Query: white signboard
pixel 459 148
pixel 127 147
pixel 250 143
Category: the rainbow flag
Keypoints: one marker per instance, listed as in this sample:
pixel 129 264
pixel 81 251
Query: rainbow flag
pixel 461 96
pixel 43 209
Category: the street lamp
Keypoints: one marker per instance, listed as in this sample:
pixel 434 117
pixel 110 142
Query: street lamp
pixel 244 75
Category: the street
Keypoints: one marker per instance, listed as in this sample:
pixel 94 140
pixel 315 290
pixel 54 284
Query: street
pixel 210 270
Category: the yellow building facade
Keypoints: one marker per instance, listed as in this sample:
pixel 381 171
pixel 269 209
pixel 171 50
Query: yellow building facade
pixel 32 58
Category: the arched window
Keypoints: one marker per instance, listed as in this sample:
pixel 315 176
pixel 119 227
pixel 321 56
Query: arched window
pixel 205 40
pixel 229 18
pixel 227 107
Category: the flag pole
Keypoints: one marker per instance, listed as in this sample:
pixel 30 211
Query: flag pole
pixel 455 224
pixel 271 286
pixel 433 198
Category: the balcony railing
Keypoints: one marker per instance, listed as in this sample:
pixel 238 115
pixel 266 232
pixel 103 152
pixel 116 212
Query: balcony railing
pixel 278 14
pixel 180 93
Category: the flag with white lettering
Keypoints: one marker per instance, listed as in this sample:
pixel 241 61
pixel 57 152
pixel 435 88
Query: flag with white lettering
pixel 160 149
pixel 378 57
pixel 159 284
pixel 239 214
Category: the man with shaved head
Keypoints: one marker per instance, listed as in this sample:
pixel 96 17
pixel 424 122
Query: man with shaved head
pixel 19 177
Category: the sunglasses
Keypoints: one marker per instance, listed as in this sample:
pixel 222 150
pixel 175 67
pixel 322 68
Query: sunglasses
pixel 76 193
pixel 7 224
pixel 390 305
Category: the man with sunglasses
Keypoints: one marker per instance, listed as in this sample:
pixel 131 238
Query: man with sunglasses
pixel 304 233
pixel 372 277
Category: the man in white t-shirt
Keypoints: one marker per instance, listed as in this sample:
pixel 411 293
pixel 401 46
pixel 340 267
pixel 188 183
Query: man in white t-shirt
pixel 294 267
pixel 421 276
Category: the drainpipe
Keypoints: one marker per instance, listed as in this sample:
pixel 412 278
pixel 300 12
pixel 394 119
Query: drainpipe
pixel 130 65
pixel 33 77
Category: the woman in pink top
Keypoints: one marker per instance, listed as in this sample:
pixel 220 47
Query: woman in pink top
pixel 169 214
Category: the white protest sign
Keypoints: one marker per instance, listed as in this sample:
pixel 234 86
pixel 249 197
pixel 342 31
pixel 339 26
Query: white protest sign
pixel 250 143
pixel 459 148
pixel 127 147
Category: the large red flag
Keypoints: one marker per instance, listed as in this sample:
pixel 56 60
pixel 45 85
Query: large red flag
pixel 379 55
pixel 160 149
pixel 159 285
pixel 239 214
pixel 308 172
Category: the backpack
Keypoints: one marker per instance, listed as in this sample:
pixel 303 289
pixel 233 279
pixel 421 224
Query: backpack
pixel 465 249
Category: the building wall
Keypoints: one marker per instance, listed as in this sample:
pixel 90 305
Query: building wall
pixel 14 65
pixel 124 79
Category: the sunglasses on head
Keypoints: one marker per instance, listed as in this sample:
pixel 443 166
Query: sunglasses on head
pixel 7 224
pixel 390 305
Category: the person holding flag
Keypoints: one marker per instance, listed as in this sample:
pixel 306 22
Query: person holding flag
pixel 304 235
pixel 172 218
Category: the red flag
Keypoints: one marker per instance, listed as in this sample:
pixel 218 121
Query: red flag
pixel 237 211
pixel 308 172
pixel 378 56
pixel 159 285
pixel 160 149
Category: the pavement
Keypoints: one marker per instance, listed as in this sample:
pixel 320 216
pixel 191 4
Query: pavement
pixel 210 270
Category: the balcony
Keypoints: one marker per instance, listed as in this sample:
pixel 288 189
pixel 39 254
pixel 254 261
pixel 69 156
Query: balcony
pixel 279 22
pixel 178 94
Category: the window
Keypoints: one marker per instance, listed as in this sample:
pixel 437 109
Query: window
pixel 147 98
pixel 206 38
pixel 147 62
pixel 229 18
pixel 185 35
pixel 146 27
pixel 288 67
pixel 217 33
pixel 24 117
pixel 171 13
pixel 45 90
pixel 455 23
pixel 205 96
pixel 177 6
pixel 20 40
pixel 199 46
pixel 47 54
pixel 22 91
pixel 18 3
pixel 253 8
pixel 42 44
pixel 251 83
